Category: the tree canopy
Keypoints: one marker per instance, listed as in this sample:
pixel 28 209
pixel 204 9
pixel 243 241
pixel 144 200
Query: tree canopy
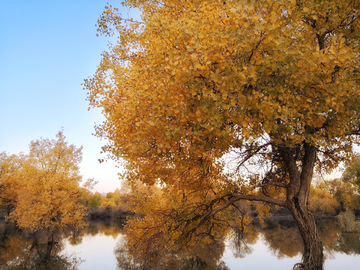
pixel 231 100
pixel 44 187
pixel 10 166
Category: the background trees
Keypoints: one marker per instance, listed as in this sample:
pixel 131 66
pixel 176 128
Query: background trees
pixel 47 185
pixel 344 192
pixel 322 202
pixel 230 101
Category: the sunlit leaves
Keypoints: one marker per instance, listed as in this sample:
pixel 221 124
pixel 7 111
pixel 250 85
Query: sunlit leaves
pixel 10 179
pixel 322 202
pixel 200 71
pixel 47 186
pixel 274 82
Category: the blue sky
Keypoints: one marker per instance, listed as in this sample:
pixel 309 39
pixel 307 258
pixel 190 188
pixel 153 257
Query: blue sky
pixel 47 49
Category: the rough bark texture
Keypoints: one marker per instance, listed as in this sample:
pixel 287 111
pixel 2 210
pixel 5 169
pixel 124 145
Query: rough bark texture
pixel 313 248
pixel 297 198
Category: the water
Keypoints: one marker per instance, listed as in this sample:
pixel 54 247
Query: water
pixel 260 257
pixel 97 251
pixel 273 245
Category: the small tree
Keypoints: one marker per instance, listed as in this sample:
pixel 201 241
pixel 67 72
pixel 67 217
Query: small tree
pixel 48 191
pixel 95 200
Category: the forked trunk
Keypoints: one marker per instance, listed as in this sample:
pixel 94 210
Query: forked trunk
pixel 313 257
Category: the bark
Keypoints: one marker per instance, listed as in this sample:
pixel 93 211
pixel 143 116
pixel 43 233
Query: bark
pixel 49 248
pixel 297 199
pixel 313 257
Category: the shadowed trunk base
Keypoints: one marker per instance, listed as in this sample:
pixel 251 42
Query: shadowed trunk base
pixel 313 257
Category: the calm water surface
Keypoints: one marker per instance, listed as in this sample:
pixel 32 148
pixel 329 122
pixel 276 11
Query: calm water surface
pixel 274 245
pixel 98 252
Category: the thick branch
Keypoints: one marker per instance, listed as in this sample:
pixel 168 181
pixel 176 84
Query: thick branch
pixel 277 184
pixel 257 198
pixel 308 164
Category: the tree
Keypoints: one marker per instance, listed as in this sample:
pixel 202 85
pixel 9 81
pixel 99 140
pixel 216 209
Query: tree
pixel 107 203
pixel 10 167
pixel 352 174
pixel 88 186
pixel 224 98
pixel 94 201
pixel 344 191
pixel 20 251
pixel 322 202
pixel 48 191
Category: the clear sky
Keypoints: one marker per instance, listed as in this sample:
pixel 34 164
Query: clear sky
pixel 47 49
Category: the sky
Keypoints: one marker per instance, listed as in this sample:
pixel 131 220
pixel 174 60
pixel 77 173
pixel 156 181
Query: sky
pixel 47 49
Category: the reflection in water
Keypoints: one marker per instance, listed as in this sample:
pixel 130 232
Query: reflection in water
pixel 93 228
pixel 23 250
pixel 40 251
pixel 282 239
pixel 242 240
pixel 348 243
pixel 197 257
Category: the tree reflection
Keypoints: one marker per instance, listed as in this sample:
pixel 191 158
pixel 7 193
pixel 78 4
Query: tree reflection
pixel 242 239
pixel 23 250
pixel 107 228
pixel 34 252
pixel 42 250
pixel 329 232
pixel 74 241
pixel 93 228
pixel 283 239
pixel 197 257
pixel 348 243
pixel 281 236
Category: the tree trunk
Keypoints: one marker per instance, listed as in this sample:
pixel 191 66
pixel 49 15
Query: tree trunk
pixel 49 248
pixel 313 257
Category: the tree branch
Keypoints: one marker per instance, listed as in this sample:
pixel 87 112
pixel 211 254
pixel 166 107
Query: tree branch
pixel 278 184
pixel 231 201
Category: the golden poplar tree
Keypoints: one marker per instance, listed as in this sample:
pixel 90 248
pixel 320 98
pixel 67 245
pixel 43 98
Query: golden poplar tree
pixel 10 168
pixel 230 100
pixel 47 186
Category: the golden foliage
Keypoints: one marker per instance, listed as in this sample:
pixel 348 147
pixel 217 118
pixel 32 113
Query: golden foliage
pixel 271 85
pixel 107 203
pixel 171 219
pixel 344 192
pixel 322 202
pixel 197 77
pixel 10 179
pixel 47 186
